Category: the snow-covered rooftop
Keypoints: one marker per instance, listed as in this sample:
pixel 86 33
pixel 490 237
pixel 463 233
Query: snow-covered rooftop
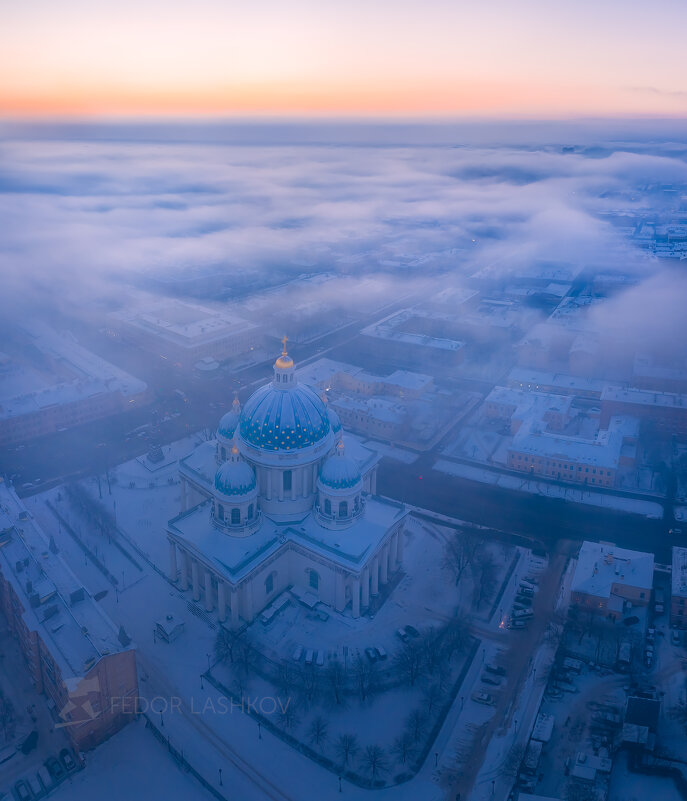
pixel 601 565
pixel 679 573
pixel 237 556
pixel 644 397
pixel 68 620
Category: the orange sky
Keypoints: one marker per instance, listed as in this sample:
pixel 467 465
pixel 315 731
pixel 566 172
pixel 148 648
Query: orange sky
pixel 531 58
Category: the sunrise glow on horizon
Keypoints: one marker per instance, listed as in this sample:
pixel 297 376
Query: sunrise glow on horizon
pixel 409 58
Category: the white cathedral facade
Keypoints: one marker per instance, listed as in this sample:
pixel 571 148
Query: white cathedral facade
pixel 277 502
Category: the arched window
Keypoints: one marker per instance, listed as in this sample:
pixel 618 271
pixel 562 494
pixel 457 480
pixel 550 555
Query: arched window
pixel 250 512
pixel 327 506
pixel 343 509
pixel 269 584
pixel 220 512
pixel 314 580
pixel 287 480
pixel 235 517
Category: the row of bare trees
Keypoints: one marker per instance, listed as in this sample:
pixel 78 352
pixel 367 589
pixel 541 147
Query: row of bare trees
pixel 467 551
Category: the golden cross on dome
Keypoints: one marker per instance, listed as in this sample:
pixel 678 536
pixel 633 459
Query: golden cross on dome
pixel 283 342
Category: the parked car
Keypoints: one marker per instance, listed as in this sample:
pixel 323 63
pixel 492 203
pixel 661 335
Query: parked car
pixel 554 694
pixel 675 637
pixel 523 600
pixel 522 613
pixel 495 681
pixel 54 768
pixel 675 531
pixel 319 661
pixel 402 634
pixel 650 635
pixel 526 591
pixel 648 658
pixel 517 624
pixel 412 631
pixel 23 791
pixel 297 653
pixel 371 654
pixel 630 621
pixel 484 698
pixel 497 670
pixel 381 653
pixel 309 654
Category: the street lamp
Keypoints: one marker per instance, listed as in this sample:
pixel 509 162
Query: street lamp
pixel 436 758
pixel 201 682
pixel 220 777
pixel 340 784
pixel 162 722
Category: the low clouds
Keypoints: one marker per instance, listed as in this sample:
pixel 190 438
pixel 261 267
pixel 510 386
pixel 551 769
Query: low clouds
pixel 87 216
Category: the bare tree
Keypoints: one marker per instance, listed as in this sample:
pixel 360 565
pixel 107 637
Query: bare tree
pixel 433 696
pixel 460 552
pixel 456 637
pixel 225 642
pixel 374 762
pixel 336 680
pixel 317 733
pixel 485 573
pixel 416 723
pixel 409 662
pixel 289 717
pixel 364 675
pixel 403 747
pixel 346 748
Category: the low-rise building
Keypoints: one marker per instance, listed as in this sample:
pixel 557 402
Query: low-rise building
pixel 609 580
pixel 186 333
pixel 74 653
pixel 665 411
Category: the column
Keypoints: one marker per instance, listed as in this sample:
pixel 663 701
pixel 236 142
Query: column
pixel 384 565
pixel 393 553
pixel 340 592
pixel 399 548
pixel 208 591
pixel 234 609
pixel 314 477
pixel 248 600
pixel 280 474
pixel 374 567
pixel 173 570
pixel 194 579
pixel 366 588
pixel 267 480
pixel 221 601
pixel 183 578
pixel 356 597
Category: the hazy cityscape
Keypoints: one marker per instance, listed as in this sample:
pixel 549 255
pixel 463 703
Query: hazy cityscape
pixel 341 456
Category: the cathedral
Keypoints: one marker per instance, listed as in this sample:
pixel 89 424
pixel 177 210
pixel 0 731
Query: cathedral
pixel 279 501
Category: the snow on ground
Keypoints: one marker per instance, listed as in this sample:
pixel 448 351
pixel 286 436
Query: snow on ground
pixel 638 506
pixel 390 451
pixel 627 786
pixel 132 764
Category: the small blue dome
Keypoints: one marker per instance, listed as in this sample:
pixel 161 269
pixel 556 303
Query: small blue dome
pixel 334 421
pixel 228 424
pixel 275 419
pixel 340 472
pixel 235 478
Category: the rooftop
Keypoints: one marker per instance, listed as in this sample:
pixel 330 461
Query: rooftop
pixel 237 556
pixel 389 328
pixel 600 565
pixel 57 606
pixel 184 324
pixel 51 369
pixel 644 397
pixel 679 573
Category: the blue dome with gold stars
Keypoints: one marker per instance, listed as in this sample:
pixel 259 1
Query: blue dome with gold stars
pixel 276 419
